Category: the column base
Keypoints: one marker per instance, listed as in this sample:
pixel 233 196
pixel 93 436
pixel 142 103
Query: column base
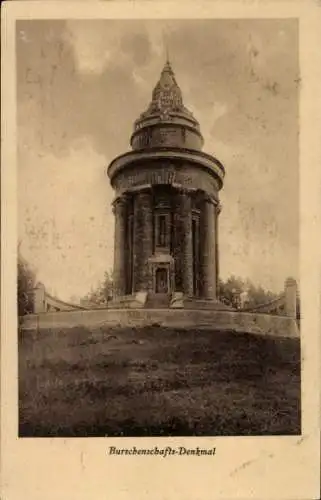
pixel 134 301
pixel 180 301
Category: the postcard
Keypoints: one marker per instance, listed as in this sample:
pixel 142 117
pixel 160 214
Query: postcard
pixel 161 250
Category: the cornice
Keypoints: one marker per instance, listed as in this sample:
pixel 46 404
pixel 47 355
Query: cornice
pixel 203 160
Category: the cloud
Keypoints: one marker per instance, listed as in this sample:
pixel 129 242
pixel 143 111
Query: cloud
pixel 100 44
pixel 91 57
pixel 65 220
pixel 82 84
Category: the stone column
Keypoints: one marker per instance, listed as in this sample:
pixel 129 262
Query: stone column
pixel 209 250
pixel 143 240
pixel 185 242
pixel 120 212
pixel 39 299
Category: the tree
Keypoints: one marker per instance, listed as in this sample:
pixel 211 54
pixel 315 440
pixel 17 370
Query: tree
pixel 103 293
pixel 230 291
pixel 25 286
pixel 258 295
pixel 233 290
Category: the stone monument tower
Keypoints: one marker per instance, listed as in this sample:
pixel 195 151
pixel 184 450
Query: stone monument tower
pixel 166 205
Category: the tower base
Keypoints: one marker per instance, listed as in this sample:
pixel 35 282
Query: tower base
pixel 177 300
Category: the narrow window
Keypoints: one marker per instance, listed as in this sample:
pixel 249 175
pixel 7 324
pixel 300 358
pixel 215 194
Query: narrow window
pixel 161 231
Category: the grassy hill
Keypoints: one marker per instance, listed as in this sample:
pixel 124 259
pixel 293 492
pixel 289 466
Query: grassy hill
pixel 157 381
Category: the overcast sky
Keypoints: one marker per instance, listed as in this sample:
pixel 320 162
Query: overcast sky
pixel 81 85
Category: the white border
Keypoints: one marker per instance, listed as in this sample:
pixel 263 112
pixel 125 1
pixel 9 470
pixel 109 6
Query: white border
pixel 272 467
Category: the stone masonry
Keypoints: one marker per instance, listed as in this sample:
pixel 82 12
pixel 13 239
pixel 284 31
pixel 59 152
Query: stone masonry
pixel 166 203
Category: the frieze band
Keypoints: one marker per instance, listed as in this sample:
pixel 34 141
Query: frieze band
pixel 186 177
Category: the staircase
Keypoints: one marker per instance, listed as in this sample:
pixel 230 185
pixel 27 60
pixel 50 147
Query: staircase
pixel 158 301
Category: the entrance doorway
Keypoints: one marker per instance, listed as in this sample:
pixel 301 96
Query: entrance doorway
pixel 161 281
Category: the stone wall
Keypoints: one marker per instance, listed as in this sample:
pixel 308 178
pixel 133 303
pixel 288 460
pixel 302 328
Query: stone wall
pixel 262 324
pixel 284 305
pixel 138 248
pixel 166 135
pixel 166 172
pixel 44 302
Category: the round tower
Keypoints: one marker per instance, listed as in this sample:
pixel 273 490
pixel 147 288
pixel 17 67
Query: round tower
pixel 167 203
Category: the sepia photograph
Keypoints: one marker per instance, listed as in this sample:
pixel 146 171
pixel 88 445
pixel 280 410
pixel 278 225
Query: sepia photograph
pixel 160 250
pixel 158 281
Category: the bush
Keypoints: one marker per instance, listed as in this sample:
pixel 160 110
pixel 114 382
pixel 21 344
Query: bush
pixel 25 286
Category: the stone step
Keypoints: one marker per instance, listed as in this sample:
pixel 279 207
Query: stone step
pixel 158 301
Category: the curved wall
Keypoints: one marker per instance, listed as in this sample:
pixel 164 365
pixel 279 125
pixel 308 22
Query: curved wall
pixel 261 324
pixel 186 175
pixel 168 135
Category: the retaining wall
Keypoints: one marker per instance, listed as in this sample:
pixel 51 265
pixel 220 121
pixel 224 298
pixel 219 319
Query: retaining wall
pixel 264 324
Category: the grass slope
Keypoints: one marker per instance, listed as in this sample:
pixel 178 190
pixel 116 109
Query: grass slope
pixel 157 381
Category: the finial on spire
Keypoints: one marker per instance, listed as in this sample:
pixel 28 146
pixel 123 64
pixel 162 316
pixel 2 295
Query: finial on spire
pixel 165 44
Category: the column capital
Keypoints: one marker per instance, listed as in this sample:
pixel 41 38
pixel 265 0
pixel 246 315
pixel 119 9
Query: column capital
pixel 143 190
pixel 119 202
pixel 210 199
pixel 121 199
pixel 186 194
pixel 179 188
pixel 137 189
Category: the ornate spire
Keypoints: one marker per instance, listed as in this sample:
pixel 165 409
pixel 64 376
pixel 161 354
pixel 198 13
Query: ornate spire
pixel 165 110
pixel 166 96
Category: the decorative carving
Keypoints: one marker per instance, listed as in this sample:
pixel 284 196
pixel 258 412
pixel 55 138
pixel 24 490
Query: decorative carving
pixel 121 200
pixel 188 178
pixel 166 99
